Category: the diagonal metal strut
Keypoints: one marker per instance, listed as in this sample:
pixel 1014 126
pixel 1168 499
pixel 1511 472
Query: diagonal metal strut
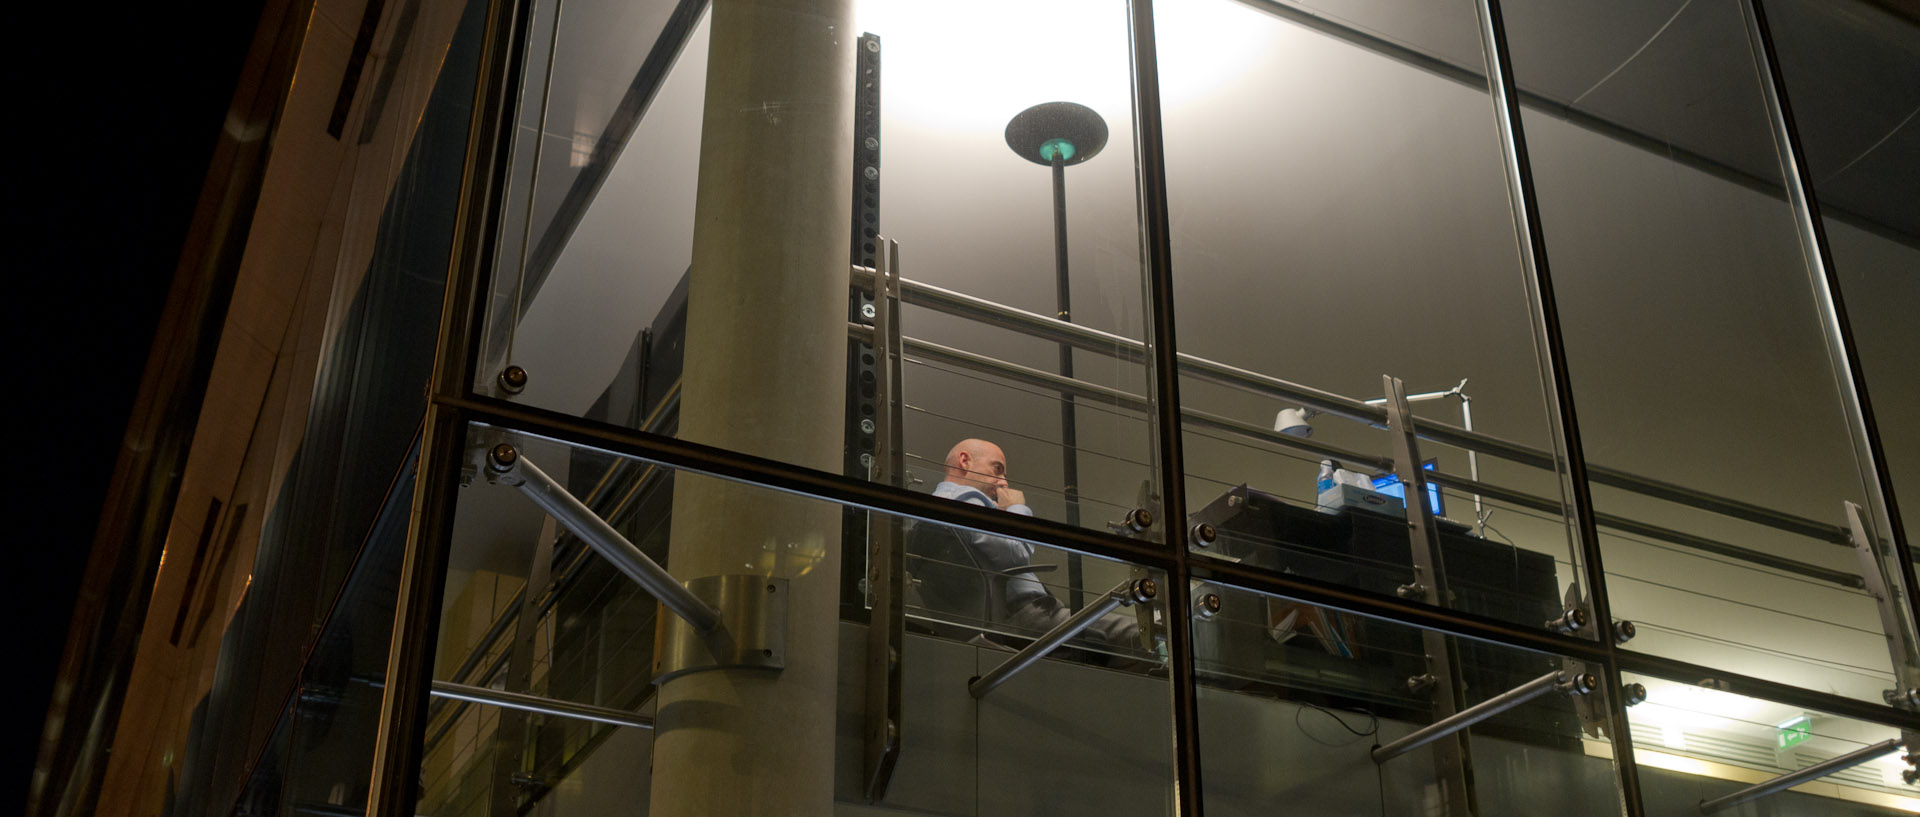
pixel 510 467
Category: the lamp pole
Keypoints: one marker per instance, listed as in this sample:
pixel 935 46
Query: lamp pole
pixel 1058 134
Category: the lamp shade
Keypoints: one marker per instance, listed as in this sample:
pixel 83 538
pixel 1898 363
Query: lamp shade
pixel 1071 130
pixel 1293 421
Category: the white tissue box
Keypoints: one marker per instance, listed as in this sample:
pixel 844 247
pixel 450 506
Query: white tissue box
pixel 1340 496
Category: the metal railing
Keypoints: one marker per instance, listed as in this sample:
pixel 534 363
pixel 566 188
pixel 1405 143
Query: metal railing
pixel 1126 349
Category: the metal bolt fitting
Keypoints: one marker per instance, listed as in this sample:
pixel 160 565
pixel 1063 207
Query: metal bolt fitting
pixel 866 460
pixel 866 426
pixel 502 458
pixel 873 45
pixel 1140 519
pixel 1202 535
pixel 513 379
pixel 1411 590
pixel 872 143
pixel 1141 591
pixel 1572 621
pixel 1633 694
pixel 872 173
pixel 1208 606
pixel 1421 683
pixel 866 311
pixel 1624 631
pixel 1579 684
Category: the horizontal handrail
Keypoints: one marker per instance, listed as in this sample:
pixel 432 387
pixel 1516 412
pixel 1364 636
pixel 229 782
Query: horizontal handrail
pixel 1194 418
pixel 1127 349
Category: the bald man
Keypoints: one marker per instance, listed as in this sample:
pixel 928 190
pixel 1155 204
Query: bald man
pixel 977 474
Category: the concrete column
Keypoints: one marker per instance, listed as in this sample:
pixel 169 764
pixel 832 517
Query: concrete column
pixel 766 375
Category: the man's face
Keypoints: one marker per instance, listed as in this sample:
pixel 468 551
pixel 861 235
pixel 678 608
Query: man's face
pixel 986 469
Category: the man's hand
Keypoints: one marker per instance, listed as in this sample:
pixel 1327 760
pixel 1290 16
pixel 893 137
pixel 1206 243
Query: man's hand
pixel 1011 496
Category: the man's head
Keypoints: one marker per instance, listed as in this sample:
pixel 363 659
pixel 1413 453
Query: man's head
pixel 978 464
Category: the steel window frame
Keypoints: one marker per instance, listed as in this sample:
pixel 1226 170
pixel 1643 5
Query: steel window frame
pixel 455 406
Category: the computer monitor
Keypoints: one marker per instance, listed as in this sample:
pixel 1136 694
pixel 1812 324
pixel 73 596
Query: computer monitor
pixel 1390 486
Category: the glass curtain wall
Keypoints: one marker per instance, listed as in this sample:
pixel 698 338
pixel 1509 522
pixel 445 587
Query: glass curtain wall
pixel 1380 539
pixel 1847 69
pixel 1298 704
pixel 534 616
pixel 1339 219
pixel 590 306
pixel 1711 413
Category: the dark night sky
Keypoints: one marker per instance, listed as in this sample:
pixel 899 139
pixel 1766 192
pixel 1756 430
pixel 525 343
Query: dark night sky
pixel 116 110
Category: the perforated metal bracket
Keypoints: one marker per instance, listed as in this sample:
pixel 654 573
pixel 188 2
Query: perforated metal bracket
pixel 752 633
pixel 1576 615
pixel 1870 552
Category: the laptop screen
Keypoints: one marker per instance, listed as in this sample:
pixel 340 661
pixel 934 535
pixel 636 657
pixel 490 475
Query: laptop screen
pixel 1390 485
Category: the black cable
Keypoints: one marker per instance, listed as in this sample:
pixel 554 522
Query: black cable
pixel 1373 727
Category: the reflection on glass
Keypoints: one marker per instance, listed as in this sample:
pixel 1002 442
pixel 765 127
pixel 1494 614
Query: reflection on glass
pixel 1298 701
pixel 1338 216
pixel 996 250
pixel 533 611
pixel 1708 406
pixel 1697 743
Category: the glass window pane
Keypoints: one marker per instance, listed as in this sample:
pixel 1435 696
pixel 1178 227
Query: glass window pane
pixel 1846 67
pixel 1296 701
pixel 595 300
pixel 1707 400
pixel 1339 215
pixel 1697 743
pixel 533 611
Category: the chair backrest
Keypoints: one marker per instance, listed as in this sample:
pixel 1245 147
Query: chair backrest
pixel 950 580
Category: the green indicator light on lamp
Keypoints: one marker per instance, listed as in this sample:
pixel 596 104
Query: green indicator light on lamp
pixel 1061 146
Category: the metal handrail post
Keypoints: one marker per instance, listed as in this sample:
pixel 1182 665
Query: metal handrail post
pixel 513 468
pixel 1488 708
pixel 1791 779
pixel 1127 593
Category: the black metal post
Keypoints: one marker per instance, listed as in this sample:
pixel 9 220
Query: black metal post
pixel 1150 152
pixel 1546 317
pixel 1826 285
pixel 394 784
pixel 1069 434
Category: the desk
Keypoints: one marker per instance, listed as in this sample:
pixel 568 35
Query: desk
pixel 1370 551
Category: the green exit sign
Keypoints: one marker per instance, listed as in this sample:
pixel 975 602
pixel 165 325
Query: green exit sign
pixel 1793 733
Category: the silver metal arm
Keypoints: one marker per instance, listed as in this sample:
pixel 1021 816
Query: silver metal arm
pixel 513 468
pixel 1791 779
pixel 1128 593
pixel 536 703
pixel 1572 684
